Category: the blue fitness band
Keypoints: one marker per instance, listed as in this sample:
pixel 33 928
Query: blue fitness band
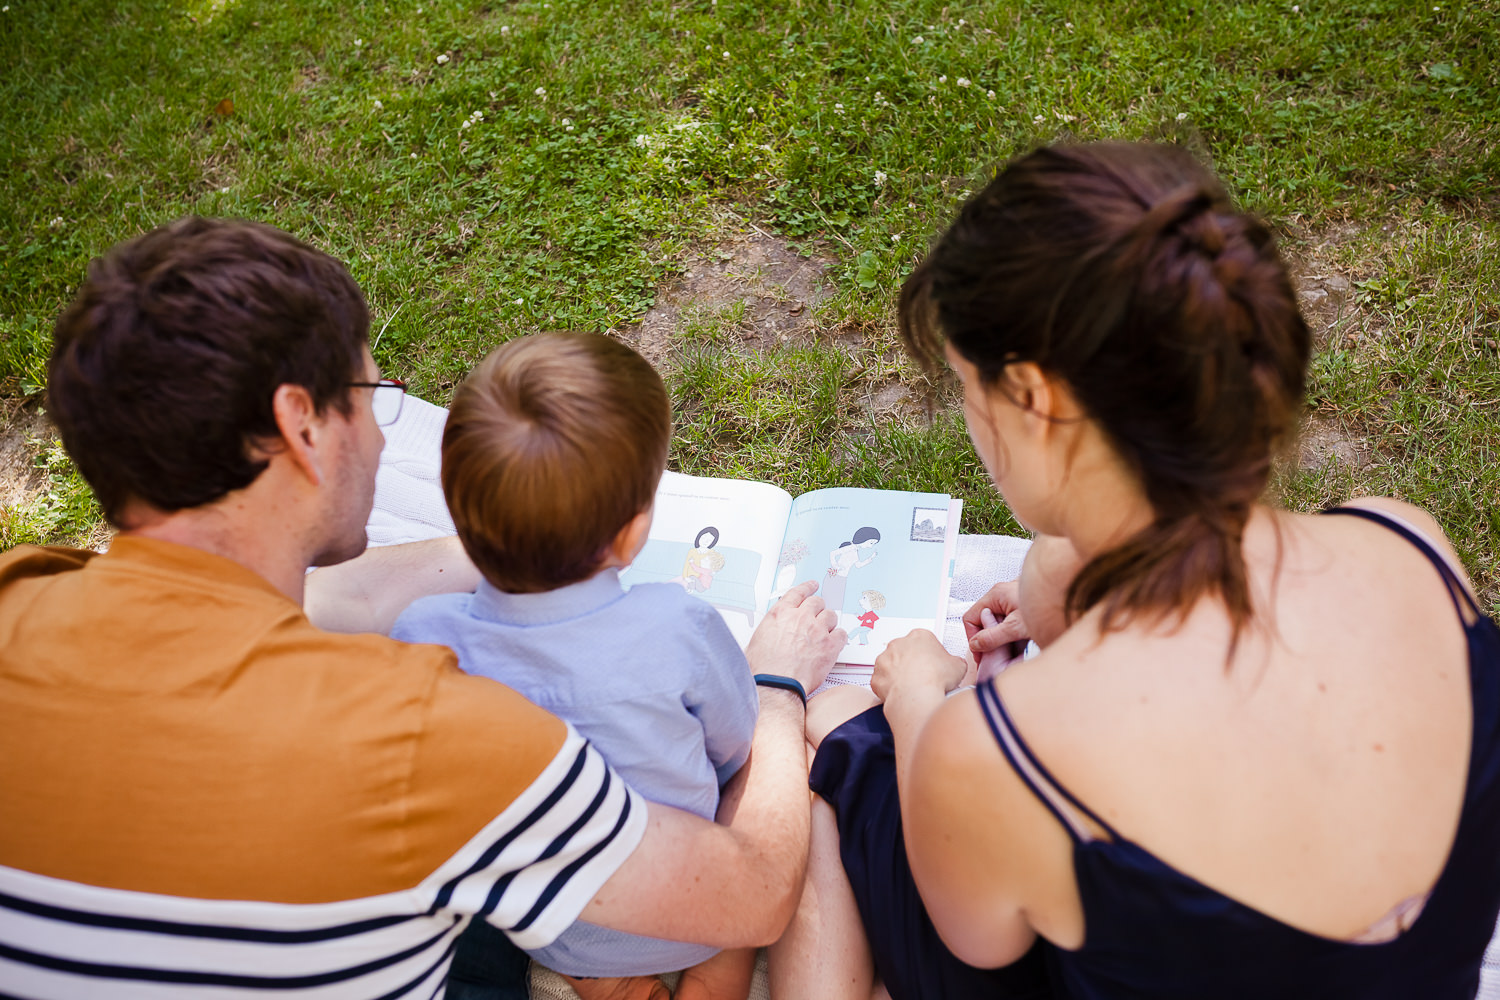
pixel 785 683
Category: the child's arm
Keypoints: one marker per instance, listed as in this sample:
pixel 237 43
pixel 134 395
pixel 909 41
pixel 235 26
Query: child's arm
pixel 723 696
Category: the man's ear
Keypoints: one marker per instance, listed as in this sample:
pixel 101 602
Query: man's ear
pixel 300 426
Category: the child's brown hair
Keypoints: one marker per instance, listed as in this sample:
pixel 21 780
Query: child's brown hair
pixel 554 443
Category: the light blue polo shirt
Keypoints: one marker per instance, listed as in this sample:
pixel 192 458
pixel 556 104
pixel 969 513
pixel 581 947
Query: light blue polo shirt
pixel 651 677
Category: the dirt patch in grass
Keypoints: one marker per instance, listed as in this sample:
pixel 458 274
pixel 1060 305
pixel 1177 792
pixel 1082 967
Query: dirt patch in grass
pixel 755 288
pixel 24 434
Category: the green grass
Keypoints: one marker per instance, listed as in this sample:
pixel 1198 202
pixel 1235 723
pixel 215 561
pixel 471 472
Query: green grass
pixel 842 127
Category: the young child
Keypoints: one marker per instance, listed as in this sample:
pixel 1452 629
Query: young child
pixel 870 602
pixel 551 458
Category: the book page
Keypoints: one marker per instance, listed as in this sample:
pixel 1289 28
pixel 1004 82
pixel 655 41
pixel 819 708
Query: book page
pixel 882 559
pixel 720 540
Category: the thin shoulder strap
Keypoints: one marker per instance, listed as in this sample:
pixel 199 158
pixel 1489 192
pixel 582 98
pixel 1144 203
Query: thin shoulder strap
pixel 1463 602
pixel 1058 800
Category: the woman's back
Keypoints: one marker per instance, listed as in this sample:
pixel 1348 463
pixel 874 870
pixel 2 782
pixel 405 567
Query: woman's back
pixel 1247 821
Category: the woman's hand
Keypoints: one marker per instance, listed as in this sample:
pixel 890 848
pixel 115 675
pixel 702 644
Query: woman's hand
pixel 996 631
pixel 916 662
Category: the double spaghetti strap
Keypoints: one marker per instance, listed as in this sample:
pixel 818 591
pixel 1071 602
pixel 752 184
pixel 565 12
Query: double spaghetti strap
pixel 1463 601
pixel 1058 800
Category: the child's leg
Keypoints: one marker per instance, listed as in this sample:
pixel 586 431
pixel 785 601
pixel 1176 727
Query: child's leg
pixel 823 953
pixel 726 976
pixel 620 988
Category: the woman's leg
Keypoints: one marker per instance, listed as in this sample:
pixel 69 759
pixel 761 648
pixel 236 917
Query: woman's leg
pixel 823 952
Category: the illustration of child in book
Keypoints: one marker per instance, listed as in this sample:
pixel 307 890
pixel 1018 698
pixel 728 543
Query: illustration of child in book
pixel 870 602
pixel 702 562
pixel 854 554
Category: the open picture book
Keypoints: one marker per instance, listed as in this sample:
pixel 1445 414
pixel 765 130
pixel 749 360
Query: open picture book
pixel 883 559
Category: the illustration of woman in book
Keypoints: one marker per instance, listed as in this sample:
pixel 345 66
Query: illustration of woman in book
pixel 870 602
pixel 792 553
pixel 858 552
pixel 702 562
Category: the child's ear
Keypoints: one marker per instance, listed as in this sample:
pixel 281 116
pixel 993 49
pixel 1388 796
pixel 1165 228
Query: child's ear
pixel 630 539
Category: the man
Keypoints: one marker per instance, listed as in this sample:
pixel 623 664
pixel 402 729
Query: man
pixel 201 791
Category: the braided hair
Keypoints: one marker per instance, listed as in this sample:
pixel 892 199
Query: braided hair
pixel 1124 270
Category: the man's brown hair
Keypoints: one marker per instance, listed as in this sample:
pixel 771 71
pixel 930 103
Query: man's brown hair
pixel 554 442
pixel 164 366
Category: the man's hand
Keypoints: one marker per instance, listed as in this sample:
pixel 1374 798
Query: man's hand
pixel 799 638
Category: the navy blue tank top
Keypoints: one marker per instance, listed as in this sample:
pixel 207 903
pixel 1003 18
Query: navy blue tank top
pixel 1151 931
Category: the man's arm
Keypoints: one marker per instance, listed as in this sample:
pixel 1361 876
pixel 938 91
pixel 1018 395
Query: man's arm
pixel 367 594
pixel 737 884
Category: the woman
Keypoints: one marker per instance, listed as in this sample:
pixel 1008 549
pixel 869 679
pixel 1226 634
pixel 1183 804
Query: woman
pixel 1264 758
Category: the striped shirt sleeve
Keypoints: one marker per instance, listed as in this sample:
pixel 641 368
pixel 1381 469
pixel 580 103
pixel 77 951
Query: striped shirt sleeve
pixel 532 870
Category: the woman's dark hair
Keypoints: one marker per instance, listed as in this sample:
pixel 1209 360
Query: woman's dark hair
pixel 1124 270
pixel 866 534
pixel 164 366
pixel 713 540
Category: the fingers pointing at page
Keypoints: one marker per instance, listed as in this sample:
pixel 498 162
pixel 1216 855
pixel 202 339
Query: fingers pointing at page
pixel 797 638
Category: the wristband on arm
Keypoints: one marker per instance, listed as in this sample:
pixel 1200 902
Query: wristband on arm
pixel 785 683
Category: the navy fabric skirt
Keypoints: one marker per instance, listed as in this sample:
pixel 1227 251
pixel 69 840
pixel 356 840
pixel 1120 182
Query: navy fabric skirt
pixel 855 772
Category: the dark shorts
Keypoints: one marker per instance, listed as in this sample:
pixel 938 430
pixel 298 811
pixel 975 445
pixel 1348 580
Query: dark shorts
pixel 855 772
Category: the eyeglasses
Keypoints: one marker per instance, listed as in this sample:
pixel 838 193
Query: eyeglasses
pixel 385 401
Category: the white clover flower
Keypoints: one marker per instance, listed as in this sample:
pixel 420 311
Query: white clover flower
pixel 567 121
pixel 640 140
pixel 918 40
pixel 1291 100
pixel 442 58
pixel 1297 8
pixel 838 109
pixel 540 91
pixel 962 22
pixel 414 156
pixel 567 128
pixel 867 79
pixel 1037 120
pixel 377 105
pixel 358 42
pixel 880 178
pixel 1065 116
pixel 223 190
pixel 750 112
pixel 990 94
pixel 943 79
pixel 477 116
pixel 1068 25
pixel 504 29
pixel 467 123
pixel 962 82
pixel 520 302
pixel 6 9
pixel 56 222
pixel 726 53
pixel 1182 116
pixel 895 237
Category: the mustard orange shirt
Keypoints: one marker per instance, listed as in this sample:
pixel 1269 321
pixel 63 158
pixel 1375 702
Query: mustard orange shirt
pixel 199 789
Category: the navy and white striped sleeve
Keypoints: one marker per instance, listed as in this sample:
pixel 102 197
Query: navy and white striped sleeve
pixel 532 870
